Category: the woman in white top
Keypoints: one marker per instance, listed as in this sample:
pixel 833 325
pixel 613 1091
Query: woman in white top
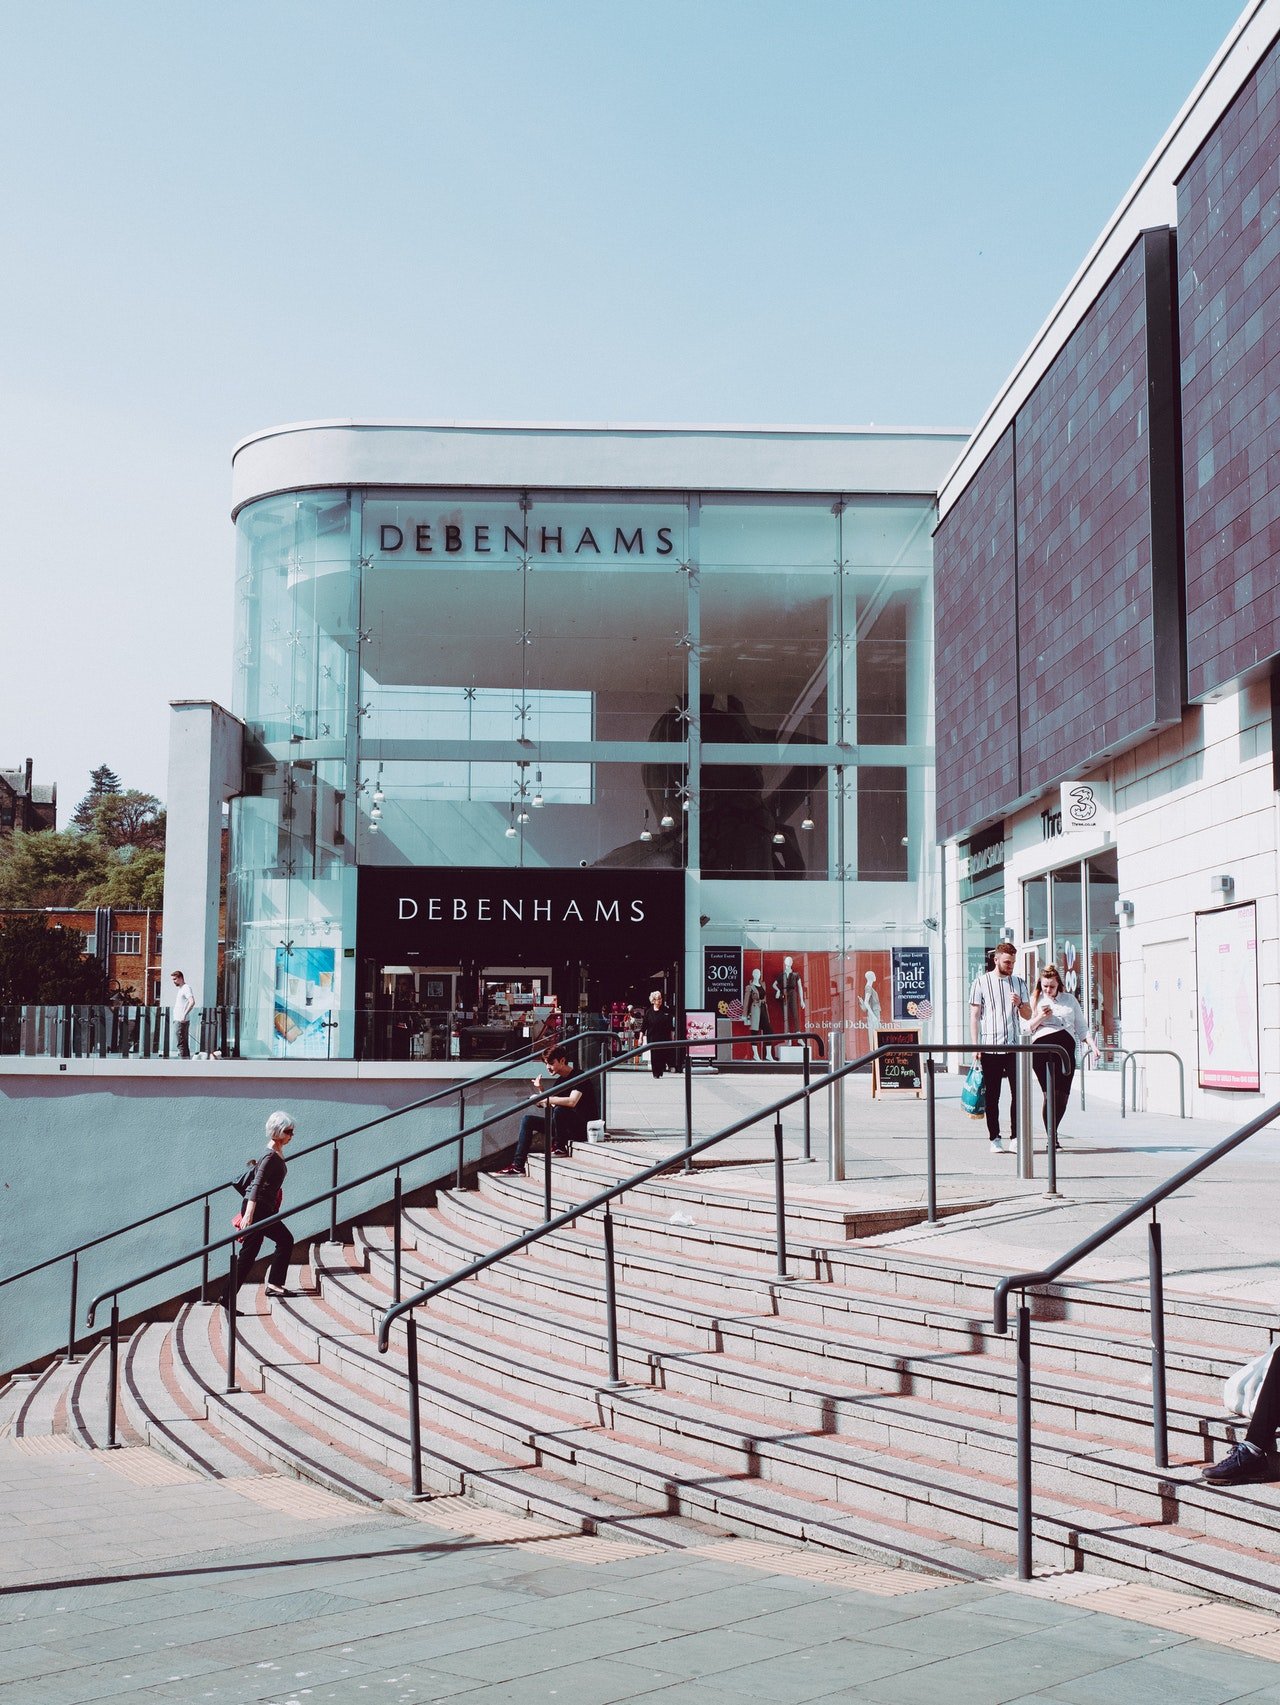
pixel 1056 1025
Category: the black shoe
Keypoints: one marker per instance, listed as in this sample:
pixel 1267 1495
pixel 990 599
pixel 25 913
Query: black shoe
pixel 510 1172
pixel 561 1148
pixel 1242 1467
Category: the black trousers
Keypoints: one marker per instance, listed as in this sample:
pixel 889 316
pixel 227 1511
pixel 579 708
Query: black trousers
pixel 184 1039
pixel 997 1068
pixel 282 1237
pixel 1266 1416
pixel 1054 1055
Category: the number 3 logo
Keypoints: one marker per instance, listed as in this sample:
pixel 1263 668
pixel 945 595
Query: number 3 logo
pixel 1085 808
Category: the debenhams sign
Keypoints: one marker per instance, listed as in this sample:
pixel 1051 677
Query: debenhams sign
pixel 482 912
pixel 492 908
pixel 403 532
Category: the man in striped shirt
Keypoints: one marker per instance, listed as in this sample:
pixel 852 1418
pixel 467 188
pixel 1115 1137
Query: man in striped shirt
pixel 997 1001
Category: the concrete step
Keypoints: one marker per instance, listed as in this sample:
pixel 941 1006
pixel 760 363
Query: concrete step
pixel 162 1409
pixel 1199 1368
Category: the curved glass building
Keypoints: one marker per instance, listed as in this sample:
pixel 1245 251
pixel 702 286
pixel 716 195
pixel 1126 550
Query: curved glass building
pixel 544 718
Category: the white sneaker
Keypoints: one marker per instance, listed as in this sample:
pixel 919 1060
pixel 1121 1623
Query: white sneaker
pixel 999 1146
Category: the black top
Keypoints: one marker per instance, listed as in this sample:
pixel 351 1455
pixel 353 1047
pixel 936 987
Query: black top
pixel 267 1188
pixel 571 1122
pixel 658 1025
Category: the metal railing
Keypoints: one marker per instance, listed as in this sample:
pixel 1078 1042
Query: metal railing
pixel 930 1069
pixel 104 1030
pixel 1023 1282
pixel 1165 1053
pixel 230 1243
pixel 605 1199
pixel 499 1070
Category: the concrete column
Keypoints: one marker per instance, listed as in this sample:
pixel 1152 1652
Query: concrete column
pixel 206 768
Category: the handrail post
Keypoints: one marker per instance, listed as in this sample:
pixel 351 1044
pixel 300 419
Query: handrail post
pixel 415 1418
pixel 931 1138
pixel 1159 1405
pixel 462 1125
pixel 71 1326
pixel 808 1133
pixel 113 1372
pixel 779 1198
pixel 1022 1102
pixel 333 1199
pixel 204 1260
pixel 688 1108
pixel 610 1299
pixel 233 1286
pixel 835 1110
pixel 1024 1440
pixel 546 1165
pixel 397 1236
pixel 1182 1087
pixel 1124 1066
pixel 1051 1121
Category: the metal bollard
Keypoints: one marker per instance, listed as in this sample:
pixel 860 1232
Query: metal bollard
pixel 1026 1131
pixel 835 1111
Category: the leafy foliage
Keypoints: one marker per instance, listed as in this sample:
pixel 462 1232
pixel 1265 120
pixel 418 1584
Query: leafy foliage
pixel 39 962
pixel 129 819
pixel 132 885
pixel 47 868
pixel 103 780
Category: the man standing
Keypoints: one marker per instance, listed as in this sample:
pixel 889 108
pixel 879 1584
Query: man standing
pixel 657 1027
pixel 183 1004
pixel 997 1001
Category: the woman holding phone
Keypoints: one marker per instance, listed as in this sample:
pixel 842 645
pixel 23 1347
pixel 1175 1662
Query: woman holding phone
pixel 1057 1025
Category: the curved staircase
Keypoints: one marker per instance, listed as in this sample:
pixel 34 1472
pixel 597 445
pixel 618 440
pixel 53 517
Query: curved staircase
pixel 864 1407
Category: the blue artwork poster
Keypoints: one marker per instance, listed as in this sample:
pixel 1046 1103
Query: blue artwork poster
pixel 304 1003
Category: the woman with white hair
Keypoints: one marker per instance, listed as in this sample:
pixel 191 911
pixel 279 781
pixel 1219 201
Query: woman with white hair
pixel 262 1199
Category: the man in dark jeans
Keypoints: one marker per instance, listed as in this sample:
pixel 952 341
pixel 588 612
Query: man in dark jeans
pixel 571 1104
pixel 1251 1459
pixel 997 1001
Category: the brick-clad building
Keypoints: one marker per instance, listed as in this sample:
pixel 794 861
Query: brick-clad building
pixel 128 944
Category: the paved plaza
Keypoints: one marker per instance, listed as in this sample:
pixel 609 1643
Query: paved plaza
pixel 124 1576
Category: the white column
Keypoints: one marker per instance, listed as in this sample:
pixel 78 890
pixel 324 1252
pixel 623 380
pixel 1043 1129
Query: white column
pixel 206 768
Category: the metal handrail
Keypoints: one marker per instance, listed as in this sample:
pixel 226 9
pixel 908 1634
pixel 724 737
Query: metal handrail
pixel 605 1198
pixel 1164 1053
pixel 1023 1282
pixel 506 1064
pixel 208 1247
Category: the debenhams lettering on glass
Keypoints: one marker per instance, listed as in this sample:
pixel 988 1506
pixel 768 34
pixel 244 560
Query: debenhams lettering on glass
pixel 482 538
pixel 486 910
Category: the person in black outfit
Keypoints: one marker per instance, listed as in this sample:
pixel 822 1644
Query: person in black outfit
pixel 262 1199
pixel 658 1027
pixel 1253 1458
pixel 570 1105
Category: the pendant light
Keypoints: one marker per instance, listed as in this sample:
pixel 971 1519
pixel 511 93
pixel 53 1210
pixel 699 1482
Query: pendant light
pixel 537 792
pixel 807 822
pixel 645 833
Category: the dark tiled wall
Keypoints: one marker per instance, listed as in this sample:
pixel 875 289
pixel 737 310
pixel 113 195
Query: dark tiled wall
pixel 1062 559
pixel 975 664
pixel 1084 540
pixel 1229 316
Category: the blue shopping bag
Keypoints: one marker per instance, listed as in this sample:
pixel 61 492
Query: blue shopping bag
pixel 973 1097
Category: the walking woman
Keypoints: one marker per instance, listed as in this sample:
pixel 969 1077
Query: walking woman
pixel 262 1200
pixel 1056 1025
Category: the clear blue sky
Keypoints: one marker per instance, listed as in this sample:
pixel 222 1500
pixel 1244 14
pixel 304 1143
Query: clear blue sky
pixel 224 215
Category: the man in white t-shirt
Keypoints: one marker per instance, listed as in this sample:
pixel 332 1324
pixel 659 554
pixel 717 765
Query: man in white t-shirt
pixel 997 1001
pixel 182 1004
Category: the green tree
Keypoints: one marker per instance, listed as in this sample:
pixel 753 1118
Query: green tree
pixel 40 962
pixel 132 884
pixel 102 780
pixel 51 868
pixel 131 819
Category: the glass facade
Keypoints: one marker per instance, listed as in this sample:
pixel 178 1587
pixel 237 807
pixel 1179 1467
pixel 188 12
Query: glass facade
pixel 733 691
pixel 1069 919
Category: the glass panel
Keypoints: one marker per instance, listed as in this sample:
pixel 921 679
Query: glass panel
pixel 1035 909
pixel 753 821
pixel 981 921
pixel 1068 927
pixel 1102 1008
pixel 881 662
pixel 767 628
pixel 883 842
pixel 466 814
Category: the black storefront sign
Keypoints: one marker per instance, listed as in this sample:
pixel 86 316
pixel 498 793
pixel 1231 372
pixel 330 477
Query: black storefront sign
pixel 984 863
pixel 442 916
pixel 721 976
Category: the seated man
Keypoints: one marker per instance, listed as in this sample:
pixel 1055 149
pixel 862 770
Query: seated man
pixel 572 1104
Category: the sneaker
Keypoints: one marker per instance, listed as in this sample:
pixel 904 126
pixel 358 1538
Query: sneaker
pixel 1240 1467
pixel 998 1146
pixel 561 1148
pixel 510 1172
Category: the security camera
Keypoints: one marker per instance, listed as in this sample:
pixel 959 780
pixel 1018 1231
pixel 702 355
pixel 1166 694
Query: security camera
pixel 582 864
